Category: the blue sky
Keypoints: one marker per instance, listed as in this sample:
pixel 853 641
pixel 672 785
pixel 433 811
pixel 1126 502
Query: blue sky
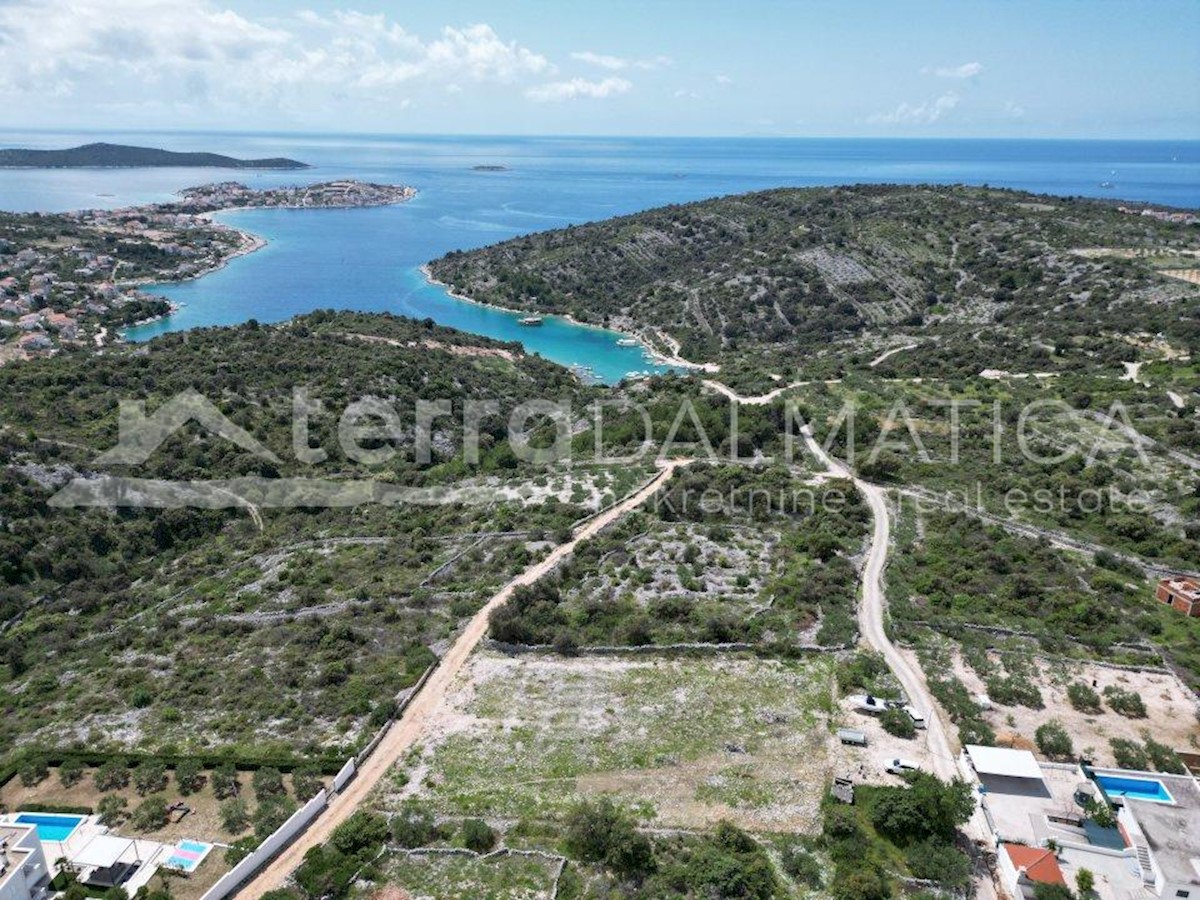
pixel 1056 68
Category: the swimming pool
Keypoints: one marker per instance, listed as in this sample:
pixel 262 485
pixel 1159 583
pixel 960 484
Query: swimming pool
pixel 50 827
pixel 1135 788
pixel 187 855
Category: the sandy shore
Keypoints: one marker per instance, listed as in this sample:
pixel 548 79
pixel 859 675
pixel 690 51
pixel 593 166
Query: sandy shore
pixel 668 359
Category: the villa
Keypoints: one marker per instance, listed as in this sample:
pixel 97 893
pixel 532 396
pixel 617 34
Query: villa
pixel 99 858
pixel 24 874
pixel 1038 816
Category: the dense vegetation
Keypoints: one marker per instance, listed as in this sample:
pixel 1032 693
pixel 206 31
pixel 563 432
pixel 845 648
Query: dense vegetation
pixel 726 554
pixel 975 269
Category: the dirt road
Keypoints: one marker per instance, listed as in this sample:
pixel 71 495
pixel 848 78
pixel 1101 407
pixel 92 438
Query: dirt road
pixel 407 730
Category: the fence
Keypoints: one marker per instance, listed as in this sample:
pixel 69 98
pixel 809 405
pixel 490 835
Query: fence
pixel 231 880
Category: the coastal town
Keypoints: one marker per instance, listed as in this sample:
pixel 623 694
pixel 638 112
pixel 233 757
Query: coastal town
pixel 73 281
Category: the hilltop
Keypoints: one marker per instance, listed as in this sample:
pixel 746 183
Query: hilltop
pixel 121 156
pixel 826 272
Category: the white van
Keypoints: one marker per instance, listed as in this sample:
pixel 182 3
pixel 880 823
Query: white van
pixel 917 716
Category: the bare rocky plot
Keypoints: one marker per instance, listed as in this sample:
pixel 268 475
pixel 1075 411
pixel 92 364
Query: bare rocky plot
pixel 686 741
pixel 1171 716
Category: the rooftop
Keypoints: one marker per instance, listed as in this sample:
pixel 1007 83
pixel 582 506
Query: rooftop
pixel 1040 864
pixel 1173 832
pixel 1004 762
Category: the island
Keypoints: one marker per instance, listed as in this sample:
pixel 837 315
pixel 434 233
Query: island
pixel 72 280
pixel 489 168
pixel 121 156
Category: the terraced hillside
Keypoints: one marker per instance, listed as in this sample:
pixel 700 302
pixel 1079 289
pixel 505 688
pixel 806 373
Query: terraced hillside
pixel 973 273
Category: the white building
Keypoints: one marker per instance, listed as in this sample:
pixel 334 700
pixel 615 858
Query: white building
pixel 1166 838
pixel 24 874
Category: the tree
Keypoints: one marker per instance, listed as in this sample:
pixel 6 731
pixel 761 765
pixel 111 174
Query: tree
pixel 1085 882
pixel 1083 698
pixel 599 832
pixel 267 782
pixel 478 835
pixel 187 776
pixel 70 773
pixel 111 809
pixel 234 815
pixel 859 881
pixel 150 815
pixel 928 807
pixel 150 776
pixel 413 825
pixel 225 781
pixel 306 781
pixel 363 830
pixel 1053 740
pixel 934 860
pixel 111 776
pixel 34 771
pixel 1052 892
pixel 898 722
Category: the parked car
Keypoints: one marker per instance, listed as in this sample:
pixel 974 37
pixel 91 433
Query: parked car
pixel 869 704
pixel 900 766
pixel 916 715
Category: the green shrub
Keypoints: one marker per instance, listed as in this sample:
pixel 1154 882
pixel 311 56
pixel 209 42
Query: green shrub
pixel 1052 892
pixel 70 773
pixel 224 781
pixel 934 860
pixel 270 814
pixel 1053 740
pixel 150 815
pixel 599 832
pixel 478 835
pixel 1014 690
pixel 1125 702
pixel 240 849
pixel 361 831
pixel 859 881
pixel 34 771
pixel 111 776
pixel 187 776
pixel 306 781
pixel 899 723
pixel 1163 758
pixel 927 808
pixel 1085 882
pixel 1083 698
pixel 267 783
pixel 1129 754
pixel 234 815
pixel 803 866
pixel 112 809
pixel 150 776
pixel 413 825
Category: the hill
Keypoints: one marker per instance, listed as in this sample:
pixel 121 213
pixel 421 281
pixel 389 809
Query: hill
pixel 120 156
pixel 970 273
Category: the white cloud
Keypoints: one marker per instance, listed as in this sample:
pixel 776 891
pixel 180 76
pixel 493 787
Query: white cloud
pixel 723 79
pixel 922 114
pixel 616 63
pixel 966 70
pixel 685 94
pixel 189 52
pixel 1013 110
pixel 576 88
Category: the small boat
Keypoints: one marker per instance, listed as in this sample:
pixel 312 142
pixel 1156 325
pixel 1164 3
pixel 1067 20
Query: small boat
pixel 628 342
pixel 530 320
pixel 1106 184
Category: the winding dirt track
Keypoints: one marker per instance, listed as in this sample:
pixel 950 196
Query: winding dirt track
pixel 407 730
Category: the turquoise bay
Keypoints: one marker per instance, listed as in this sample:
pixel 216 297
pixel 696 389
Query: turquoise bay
pixel 369 259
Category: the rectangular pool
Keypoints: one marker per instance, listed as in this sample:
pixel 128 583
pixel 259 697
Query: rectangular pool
pixel 50 827
pixel 187 855
pixel 1135 788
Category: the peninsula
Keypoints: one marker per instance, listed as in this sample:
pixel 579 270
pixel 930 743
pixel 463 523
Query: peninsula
pixel 121 156
pixel 71 279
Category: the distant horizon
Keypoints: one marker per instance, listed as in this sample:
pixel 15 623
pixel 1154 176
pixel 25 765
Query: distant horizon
pixel 283 132
pixel 1018 69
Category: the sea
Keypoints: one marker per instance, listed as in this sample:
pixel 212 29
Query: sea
pixel 370 259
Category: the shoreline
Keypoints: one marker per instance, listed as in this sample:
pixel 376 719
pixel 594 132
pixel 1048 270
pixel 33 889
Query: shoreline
pixel 652 351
